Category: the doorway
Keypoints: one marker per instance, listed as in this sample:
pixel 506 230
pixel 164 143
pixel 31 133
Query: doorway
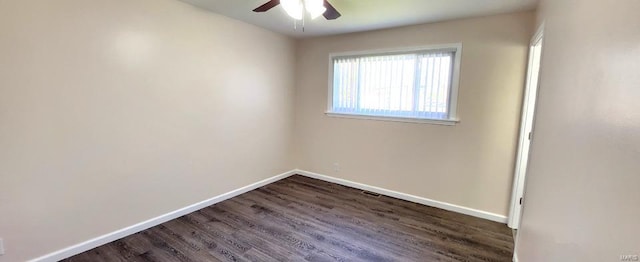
pixel 526 128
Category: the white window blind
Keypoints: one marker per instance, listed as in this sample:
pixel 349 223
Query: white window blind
pixel 408 85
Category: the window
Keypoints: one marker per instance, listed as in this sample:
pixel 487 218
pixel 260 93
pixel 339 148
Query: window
pixel 416 85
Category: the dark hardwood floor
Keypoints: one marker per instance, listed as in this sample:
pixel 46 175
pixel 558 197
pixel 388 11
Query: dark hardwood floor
pixel 303 219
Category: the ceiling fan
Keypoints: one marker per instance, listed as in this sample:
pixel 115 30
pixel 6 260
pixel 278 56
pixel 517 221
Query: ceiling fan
pixel 296 8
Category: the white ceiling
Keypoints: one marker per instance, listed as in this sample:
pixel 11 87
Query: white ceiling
pixel 364 15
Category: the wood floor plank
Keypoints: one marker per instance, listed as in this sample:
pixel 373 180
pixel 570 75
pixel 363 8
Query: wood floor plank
pixel 304 219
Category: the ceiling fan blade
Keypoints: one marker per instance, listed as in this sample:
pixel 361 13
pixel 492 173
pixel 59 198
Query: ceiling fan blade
pixel 268 5
pixel 331 12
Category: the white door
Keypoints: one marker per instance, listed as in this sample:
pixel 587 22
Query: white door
pixel 526 129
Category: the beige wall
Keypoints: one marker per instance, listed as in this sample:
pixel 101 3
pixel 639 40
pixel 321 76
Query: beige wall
pixel 114 112
pixel 582 199
pixel 470 164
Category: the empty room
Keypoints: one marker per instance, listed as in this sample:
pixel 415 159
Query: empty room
pixel 319 130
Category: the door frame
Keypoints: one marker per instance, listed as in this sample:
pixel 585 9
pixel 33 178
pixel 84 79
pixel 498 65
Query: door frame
pixel 525 138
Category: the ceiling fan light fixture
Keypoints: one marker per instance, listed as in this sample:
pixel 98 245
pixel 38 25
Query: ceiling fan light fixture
pixel 315 8
pixel 298 8
pixel 294 8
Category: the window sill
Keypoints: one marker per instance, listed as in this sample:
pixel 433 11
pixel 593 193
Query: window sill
pixel 446 122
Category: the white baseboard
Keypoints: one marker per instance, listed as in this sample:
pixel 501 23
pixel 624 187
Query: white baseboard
pixel 110 237
pixel 407 197
pixel 515 257
pixel 104 239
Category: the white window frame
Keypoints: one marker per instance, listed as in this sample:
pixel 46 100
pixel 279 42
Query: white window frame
pixel 453 96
